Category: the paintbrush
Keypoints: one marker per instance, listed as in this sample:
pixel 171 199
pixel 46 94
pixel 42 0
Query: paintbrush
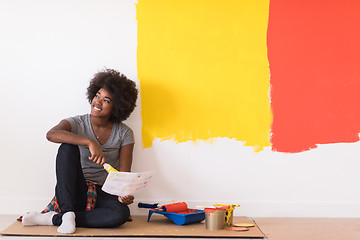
pixel 109 168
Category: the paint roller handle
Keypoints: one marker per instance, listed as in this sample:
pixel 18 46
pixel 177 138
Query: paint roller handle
pixel 148 205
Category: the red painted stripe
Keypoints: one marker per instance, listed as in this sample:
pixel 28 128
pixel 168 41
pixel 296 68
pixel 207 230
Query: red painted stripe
pixel 314 56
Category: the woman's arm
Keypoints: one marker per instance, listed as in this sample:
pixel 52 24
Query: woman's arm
pixel 61 133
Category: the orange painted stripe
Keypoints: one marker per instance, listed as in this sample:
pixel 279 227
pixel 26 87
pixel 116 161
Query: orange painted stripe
pixel 314 56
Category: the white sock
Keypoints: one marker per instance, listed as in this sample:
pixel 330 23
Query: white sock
pixel 68 223
pixel 37 218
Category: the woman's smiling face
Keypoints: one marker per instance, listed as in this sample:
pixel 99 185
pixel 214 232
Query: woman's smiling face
pixel 102 104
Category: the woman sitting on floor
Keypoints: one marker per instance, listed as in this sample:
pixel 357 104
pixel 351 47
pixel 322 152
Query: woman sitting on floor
pixel 87 142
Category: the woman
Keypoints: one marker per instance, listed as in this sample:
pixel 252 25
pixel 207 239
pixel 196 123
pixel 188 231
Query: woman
pixel 87 142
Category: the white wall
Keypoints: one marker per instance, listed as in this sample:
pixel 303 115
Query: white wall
pixel 48 52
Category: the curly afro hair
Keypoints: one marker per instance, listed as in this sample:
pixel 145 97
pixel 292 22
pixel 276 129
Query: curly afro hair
pixel 122 89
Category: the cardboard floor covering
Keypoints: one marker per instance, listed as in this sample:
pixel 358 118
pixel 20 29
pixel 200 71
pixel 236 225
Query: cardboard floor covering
pixel 158 226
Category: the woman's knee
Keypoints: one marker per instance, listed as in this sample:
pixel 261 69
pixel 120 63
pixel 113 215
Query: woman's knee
pixel 120 215
pixel 69 149
pixel 68 161
pixel 68 152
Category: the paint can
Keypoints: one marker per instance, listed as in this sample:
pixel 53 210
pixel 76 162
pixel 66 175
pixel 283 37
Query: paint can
pixel 229 212
pixel 214 218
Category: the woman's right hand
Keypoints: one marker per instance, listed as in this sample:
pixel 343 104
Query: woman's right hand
pixel 97 155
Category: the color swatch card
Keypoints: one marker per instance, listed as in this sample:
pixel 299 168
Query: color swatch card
pixel 126 183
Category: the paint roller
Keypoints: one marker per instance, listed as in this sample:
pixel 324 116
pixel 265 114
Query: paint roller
pixel 175 207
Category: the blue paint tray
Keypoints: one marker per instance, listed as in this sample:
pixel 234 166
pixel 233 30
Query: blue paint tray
pixel 187 217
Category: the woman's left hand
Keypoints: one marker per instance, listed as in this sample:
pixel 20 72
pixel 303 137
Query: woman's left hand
pixel 127 200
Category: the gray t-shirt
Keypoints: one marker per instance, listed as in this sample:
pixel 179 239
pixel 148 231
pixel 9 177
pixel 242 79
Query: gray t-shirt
pixel 121 135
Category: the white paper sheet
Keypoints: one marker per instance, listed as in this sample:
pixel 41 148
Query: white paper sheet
pixel 126 183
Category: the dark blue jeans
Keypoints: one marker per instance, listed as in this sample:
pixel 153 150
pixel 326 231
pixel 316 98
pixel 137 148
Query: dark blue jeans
pixel 71 194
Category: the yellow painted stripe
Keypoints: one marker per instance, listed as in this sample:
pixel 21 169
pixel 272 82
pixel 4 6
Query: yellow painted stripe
pixel 203 70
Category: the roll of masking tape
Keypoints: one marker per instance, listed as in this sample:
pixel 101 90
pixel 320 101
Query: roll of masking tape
pixel 246 225
pixel 237 228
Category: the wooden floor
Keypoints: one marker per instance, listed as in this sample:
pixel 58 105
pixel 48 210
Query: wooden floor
pixel 310 228
pixel 273 228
